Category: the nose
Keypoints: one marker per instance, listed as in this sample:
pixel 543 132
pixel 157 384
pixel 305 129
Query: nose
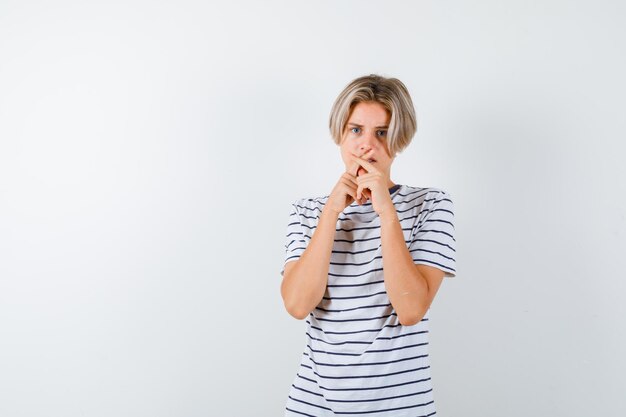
pixel 368 141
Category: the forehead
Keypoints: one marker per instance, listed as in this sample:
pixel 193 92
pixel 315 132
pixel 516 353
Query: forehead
pixel 369 113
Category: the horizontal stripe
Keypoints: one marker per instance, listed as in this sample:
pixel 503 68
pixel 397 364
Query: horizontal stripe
pixel 360 319
pixel 433 252
pixel 380 257
pixel 356 331
pixel 368 363
pixel 363 342
pixel 355 285
pixel 330 400
pixel 294 240
pixel 435 242
pixel 412 394
pixel 354 308
pixel 385 410
pixel 356 252
pixel 417 381
pixel 356 263
pixel 311 404
pixel 438 210
pixel 367 375
pixel 353 342
pixel 309 208
pixel 307 391
pixel 437 231
pixel 439 221
pixel 403 335
pixel 435 201
pixel 359 331
pixel 428 261
pixel 356 275
pixel 299 412
pixel 361 240
pixel 355 296
pixel 367 351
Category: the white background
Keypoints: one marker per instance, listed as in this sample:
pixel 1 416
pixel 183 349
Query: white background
pixel 150 151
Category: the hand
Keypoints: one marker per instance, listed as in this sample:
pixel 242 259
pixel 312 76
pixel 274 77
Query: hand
pixel 373 184
pixel 354 170
pixel 344 192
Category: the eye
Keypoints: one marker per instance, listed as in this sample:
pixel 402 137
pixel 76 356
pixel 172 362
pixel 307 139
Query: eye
pixel 355 130
pixel 381 133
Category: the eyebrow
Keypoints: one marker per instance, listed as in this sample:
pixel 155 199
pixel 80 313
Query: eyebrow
pixel 376 127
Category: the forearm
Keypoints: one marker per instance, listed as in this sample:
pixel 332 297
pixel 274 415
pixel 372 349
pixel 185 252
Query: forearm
pixel 406 288
pixel 305 284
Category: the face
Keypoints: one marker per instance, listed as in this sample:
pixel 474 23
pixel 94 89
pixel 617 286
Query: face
pixel 366 129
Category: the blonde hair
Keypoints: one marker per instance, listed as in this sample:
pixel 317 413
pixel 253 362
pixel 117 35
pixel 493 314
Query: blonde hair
pixel 392 94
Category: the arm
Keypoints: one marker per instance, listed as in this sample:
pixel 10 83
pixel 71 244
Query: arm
pixel 411 288
pixel 305 279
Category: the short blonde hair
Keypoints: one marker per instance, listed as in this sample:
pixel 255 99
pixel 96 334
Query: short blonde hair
pixel 392 94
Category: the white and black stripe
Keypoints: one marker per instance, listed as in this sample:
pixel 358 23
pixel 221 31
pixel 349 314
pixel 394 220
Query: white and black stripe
pixel 359 360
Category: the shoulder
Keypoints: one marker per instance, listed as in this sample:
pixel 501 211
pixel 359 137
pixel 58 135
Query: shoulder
pixel 422 201
pixel 425 194
pixel 309 207
pixel 426 190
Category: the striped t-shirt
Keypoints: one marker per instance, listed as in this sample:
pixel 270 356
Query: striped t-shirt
pixel 359 360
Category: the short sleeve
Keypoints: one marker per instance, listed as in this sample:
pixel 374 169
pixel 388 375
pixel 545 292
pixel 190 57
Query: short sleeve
pixel 295 243
pixel 433 241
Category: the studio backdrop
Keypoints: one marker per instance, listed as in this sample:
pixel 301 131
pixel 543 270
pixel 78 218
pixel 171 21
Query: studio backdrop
pixel 150 153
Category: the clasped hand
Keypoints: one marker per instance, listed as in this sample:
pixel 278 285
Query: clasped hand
pixel 371 185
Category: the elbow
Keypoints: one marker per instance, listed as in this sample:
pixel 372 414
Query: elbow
pixel 292 305
pixel 300 315
pixel 295 310
pixel 410 319
pixel 412 314
pixel 297 305
pixel 297 313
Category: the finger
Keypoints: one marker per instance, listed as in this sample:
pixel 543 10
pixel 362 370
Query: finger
pixel 364 187
pixel 362 155
pixel 355 165
pixel 359 190
pixel 349 178
pixel 353 168
pixel 367 177
pixel 363 162
pixel 348 190
pixel 364 197
pixel 353 195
